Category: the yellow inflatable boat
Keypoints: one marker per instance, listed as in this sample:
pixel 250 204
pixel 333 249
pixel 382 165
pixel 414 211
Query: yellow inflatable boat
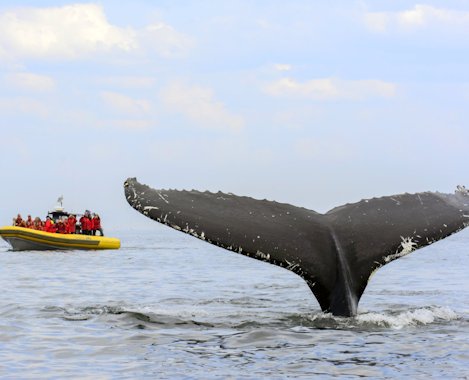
pixel 26 239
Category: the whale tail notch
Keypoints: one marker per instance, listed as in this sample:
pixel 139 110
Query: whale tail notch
pixel 335 253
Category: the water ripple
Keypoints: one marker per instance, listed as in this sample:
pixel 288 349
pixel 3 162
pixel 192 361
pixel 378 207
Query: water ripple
pixel 168 308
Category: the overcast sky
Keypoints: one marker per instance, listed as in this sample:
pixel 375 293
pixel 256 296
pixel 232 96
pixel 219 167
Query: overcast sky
pixel 296 101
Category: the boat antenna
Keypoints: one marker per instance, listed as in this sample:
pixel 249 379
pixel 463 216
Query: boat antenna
pixel 60 200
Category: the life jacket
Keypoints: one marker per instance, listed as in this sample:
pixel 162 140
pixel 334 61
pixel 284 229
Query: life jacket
pixel 96 221
pixel 60 227
pixel 49 226
pixel 71 225
pixel 85 223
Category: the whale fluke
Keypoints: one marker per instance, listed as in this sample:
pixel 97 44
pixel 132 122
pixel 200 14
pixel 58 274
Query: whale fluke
pixel 335 253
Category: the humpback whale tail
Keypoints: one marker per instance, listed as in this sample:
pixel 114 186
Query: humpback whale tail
pixel 335 253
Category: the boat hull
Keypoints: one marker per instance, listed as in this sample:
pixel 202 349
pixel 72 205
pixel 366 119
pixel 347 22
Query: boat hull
pixel 26 239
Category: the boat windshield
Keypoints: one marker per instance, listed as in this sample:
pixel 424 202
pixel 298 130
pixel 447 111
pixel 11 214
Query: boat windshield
pixel 56 215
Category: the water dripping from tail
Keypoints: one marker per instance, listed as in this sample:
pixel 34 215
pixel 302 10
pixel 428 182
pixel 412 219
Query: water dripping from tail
pixel 346 278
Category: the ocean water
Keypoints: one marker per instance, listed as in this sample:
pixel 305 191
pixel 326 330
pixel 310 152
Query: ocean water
pixel 167 306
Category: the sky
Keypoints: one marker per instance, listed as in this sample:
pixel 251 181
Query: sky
pixel 310 103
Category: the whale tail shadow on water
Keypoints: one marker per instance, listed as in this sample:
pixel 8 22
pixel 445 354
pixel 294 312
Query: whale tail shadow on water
pixel 335 253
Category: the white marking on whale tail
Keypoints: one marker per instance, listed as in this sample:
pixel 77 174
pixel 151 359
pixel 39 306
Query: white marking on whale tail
pixel 163 198
pixel 395 200
pixel 262 255
pixel 462 189
pixel 420 199
pixel 150 208
pixel 407 245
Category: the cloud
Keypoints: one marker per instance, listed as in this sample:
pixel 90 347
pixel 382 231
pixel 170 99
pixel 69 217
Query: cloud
pixel 331 89
pixel 282 67
pixel 21 105
pixel 61 32
pixel 124 103
pixel 30 81
pixel 165 40
pixel 198 104
pixel 128 81
pixel 130 124
pixel 79 31
pixel 420 16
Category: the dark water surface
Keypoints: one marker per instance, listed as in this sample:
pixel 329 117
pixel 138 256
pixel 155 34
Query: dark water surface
pixel 170 306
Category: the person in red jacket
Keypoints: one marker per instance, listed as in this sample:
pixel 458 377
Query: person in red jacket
pixel 60 227
pixel 49 225
pixel 96 224
pixel 85 222
pixel 71 224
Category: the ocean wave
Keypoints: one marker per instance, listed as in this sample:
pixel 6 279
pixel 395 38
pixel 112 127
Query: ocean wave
pixel 141 317
pixel 157 317
pixel 416 317
pixel 387 319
